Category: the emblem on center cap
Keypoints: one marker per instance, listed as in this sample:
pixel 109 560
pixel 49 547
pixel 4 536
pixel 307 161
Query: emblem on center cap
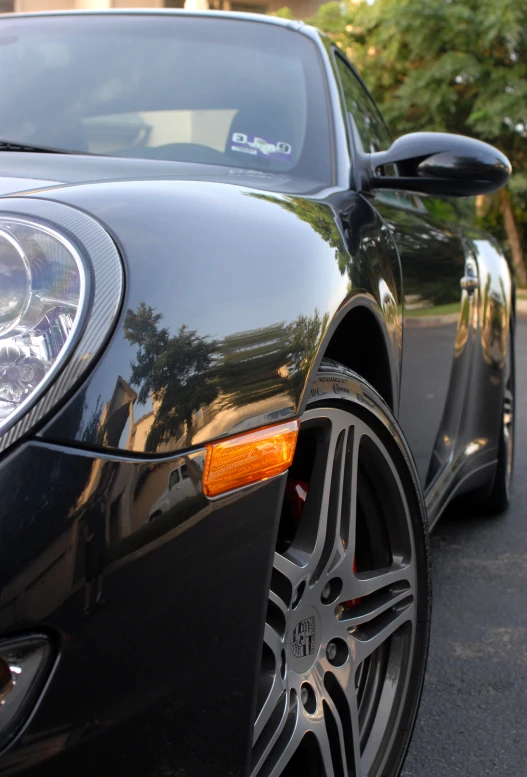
pixel 303 638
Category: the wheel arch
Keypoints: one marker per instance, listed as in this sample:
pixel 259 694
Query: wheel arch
pixel 360 339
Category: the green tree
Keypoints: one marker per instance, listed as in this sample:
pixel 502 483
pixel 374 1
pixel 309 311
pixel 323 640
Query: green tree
pixel 176 371
pixel 319 216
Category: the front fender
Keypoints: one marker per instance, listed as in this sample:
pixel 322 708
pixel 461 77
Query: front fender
pixel 230 295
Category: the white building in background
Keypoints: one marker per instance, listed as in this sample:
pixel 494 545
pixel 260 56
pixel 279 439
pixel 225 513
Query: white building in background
pixel 300 8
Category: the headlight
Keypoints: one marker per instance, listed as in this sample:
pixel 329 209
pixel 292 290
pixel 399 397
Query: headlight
pixel 61 291
pixel 42 294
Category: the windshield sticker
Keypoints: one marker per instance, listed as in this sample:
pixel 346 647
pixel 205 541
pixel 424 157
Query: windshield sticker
pixel 250 144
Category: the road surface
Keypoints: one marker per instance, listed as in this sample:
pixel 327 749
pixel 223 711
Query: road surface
pixel 473 717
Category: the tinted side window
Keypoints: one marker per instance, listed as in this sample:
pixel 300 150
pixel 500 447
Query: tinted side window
pixel 370 126
pixel 371 129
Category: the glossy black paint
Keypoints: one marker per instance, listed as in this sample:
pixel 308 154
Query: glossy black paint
pixel 160 679
pixel 428 251
pixel 275 309
pixel 257 277
pixel 454 350
pixel 440 164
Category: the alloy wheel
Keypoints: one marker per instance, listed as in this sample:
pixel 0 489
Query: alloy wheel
pixel 342 612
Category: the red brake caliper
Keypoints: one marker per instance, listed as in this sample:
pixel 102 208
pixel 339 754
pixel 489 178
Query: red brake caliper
pixel 296 495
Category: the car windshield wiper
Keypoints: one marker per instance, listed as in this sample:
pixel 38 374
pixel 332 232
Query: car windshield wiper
pixel 7 145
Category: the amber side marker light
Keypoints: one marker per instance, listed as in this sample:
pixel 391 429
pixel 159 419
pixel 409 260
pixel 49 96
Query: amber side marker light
pixel 249 458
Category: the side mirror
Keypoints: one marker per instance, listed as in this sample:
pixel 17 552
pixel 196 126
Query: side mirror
pixel 438 163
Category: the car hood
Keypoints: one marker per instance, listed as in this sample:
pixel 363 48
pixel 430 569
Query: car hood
pixel 22 172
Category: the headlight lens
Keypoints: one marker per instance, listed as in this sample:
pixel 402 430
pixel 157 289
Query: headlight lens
pixel 42 290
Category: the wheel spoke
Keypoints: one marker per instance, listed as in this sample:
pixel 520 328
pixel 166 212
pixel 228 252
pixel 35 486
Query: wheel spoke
pixel 273 641
pixel 373 606
pixel 328 523
pixel 269 734
pixel 282 746
pixel 270 706
pixel 327 752
pixel 279 603
pixel 368 583
pixel 341 700
pixel 351 697
pixel 346 502
pixel 294 569
pixel 371 635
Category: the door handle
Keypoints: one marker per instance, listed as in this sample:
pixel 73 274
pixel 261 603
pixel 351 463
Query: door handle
pixel 470 281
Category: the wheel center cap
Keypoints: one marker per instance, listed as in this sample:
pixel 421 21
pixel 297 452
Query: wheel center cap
pixel 304 639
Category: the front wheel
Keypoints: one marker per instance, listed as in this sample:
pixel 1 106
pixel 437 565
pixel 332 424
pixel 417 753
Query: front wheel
pixel 346 632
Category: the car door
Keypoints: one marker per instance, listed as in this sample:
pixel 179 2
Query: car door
pixel 437 313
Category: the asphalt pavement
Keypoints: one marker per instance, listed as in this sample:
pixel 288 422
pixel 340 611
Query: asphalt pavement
pixel 473 716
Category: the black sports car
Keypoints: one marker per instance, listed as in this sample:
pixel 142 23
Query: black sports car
pixel 243 370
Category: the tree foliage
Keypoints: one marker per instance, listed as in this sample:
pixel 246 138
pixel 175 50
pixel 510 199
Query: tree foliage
pixel 447 65
pixel 174 370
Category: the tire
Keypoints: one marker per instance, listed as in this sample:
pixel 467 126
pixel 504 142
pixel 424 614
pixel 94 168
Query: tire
pixel 499 498
pixel 347 626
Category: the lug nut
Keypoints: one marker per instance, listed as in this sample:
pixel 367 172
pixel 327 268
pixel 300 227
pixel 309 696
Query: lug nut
pixel 308 698
pixel 331 591
pixel 337 652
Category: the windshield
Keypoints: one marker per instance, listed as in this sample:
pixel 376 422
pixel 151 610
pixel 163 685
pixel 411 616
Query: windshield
pixel 194 89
